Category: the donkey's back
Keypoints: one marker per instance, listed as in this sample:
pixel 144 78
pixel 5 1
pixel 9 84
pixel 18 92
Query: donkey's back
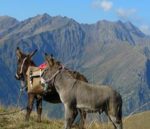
pixel 96 96
pixel 100 98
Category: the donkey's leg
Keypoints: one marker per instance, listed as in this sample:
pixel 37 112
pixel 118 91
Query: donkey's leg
pixel 117 124
pixel 115 117
pixel 31 98
pixel 83 118
pixel 70 115
pixel 39 107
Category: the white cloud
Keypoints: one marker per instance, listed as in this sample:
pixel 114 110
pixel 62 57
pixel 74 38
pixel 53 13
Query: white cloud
pixel 145 29
pixel 106 5
pixel 126 14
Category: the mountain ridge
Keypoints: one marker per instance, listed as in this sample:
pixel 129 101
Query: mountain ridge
pixel 111 53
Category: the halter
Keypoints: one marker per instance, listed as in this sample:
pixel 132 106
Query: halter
pixel 55 74
pixel 22 65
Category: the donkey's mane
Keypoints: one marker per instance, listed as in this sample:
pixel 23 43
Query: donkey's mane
pixel 73 73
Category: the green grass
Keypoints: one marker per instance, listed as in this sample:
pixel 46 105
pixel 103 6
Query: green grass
pixel 16 121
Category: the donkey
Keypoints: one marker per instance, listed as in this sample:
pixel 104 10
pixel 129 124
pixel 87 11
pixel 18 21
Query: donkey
pixel 23 65
pixel 76 94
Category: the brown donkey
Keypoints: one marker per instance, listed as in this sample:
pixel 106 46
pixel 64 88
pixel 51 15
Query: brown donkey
pixel 24 65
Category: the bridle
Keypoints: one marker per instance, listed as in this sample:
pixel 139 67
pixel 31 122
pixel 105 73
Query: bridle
pixel 21 70
pixel 22 65
pixel 50 80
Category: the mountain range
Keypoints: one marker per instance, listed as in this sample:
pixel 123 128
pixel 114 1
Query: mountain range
pixel 112 53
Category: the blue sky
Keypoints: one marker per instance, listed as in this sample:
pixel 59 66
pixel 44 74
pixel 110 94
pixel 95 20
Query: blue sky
pixel 83 11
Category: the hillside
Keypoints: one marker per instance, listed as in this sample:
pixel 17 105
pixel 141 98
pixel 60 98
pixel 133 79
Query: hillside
pixel 7 22
pixel 111 53
pixel 16 121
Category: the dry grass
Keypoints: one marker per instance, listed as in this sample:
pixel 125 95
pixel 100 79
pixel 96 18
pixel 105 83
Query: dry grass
pixel 138 121
pixel 16 121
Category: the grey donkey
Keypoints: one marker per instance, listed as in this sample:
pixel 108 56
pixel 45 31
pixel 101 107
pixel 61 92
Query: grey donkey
pixel 76 94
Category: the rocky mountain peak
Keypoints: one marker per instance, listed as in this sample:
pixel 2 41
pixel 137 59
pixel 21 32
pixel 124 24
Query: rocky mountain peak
pixel 106 52
pixel 119 30
pixel 7 22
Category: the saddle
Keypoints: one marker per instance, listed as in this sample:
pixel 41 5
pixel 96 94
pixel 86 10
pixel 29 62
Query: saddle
pixel 35 78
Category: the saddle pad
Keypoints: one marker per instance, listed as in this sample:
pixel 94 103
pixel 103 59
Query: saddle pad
pixel 35 85
pixel 43 66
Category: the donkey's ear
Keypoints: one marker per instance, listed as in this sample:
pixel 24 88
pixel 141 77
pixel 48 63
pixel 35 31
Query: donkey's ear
pixel 48 56
pixel 32 53
pixel 18 52
pixel 52 56
pixel 49 60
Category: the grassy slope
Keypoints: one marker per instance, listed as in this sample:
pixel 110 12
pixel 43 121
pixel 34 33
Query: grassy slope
pixel 16 121
pixel 138 121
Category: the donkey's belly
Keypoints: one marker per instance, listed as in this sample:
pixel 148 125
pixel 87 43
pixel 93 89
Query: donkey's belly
pixel 91 98
pixel 91 107
pixel 91 104
pixel 52 97
pixel 88 108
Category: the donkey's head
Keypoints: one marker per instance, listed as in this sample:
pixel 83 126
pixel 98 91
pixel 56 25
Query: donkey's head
pixel 23 62
pixel 52 62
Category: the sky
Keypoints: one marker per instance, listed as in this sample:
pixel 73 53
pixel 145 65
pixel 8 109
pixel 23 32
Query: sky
pixel 83 11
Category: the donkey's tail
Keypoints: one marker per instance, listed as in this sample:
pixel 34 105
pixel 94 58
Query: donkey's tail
pixel 119 116
pixel 119 112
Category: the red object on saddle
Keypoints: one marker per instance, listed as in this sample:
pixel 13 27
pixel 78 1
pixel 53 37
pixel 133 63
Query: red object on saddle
pixel 43 66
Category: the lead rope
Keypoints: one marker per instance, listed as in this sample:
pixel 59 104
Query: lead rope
pixel 18 102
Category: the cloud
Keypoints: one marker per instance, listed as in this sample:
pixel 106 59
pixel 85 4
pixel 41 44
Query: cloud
pixel 122 13
pixel 145 29
pixel 126 14
pixel 106 5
